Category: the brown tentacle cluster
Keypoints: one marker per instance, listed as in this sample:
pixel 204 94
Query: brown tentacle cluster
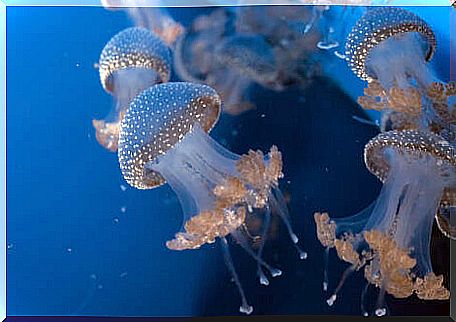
pixel 404 103
pixel 440 94
pixel 233 197
pixel 385 264
pixel 107 134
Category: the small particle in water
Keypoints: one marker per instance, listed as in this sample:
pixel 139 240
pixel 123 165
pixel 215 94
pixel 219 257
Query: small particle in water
pixel 69 249
pixel 123 187
pixel 123 209
pixel 234 132
pixel 78 65
pixel 96 66
pixel 326 169
pixel 116 220
pixel 302 99
pixel 263 115
pixel 340 55
pixel 10 246
pixel 326 46
pixel 99 286
pixel 124 274
pixel 93 276
pixel 289 181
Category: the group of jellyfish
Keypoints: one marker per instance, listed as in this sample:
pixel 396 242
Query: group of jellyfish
pixel 160 131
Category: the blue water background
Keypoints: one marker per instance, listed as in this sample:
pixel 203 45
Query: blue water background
pixel 71 250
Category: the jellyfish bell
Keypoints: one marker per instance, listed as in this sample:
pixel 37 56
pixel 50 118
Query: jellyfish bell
pixel 130 62
pixel 391 45
pixel 390 239
pixel 164 139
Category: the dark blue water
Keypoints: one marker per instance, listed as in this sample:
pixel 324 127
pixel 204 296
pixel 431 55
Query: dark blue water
pixel 78 244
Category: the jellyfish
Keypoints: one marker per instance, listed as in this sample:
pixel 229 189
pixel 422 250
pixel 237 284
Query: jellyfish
pixel 390 48
pixel 164 139
pixel 145 15
pixel 133 60
pixel 195 61
pixel 390 239
pixel 290 32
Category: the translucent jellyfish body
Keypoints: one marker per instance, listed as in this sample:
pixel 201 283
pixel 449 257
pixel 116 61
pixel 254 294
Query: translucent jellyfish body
pixel 290 32
pixel 133 60
pixel 163 139
pixel 390 239
pixel 390 48
pixel 195 61
pixel 145 15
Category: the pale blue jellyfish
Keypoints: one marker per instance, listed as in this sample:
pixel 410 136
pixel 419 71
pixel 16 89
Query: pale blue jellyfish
pixel 390 48
pixel 130 62
pixel 164 139
pixel 390 239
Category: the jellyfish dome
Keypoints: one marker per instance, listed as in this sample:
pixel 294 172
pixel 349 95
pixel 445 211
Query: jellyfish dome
pixel 390 44
pixel 131 61
pixel 164 139
pixel 134 48
pixel 390 239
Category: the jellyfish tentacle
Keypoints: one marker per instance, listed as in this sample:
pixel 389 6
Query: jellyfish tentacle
pixel 344 277
pixel 267 220
pixel 278 204
pixel 325 269
pixel 363 299
pixel 380 309
pixel 244 244
pixel 245 307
